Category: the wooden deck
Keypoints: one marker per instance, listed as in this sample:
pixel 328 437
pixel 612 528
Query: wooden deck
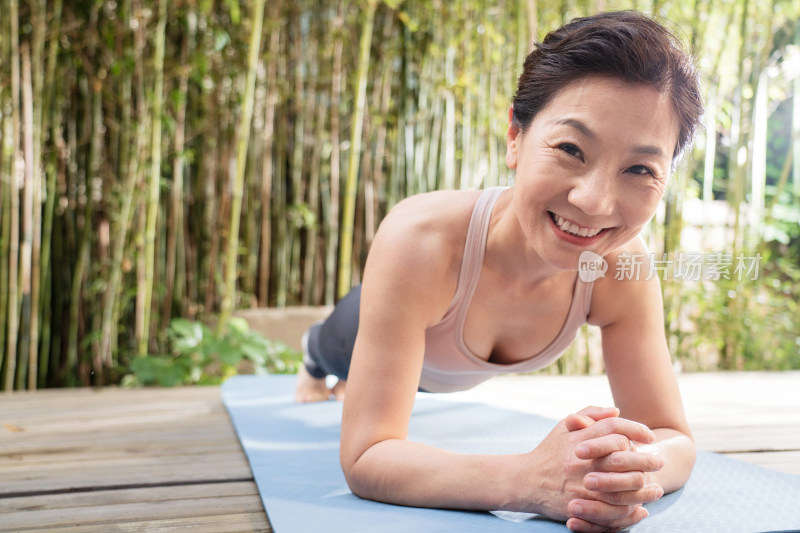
pixel 168 459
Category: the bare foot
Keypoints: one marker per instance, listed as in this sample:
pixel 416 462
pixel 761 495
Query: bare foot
pixel 338 390
pixel 309 388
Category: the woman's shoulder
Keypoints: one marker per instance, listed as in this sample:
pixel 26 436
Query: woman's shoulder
pixel 630 282
pixel 436 207
pixel 435 218
pixel 418 249
pixel 426 231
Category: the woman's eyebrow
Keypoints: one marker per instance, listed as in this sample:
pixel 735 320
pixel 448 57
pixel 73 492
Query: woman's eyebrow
pixel 578 125
pixel 647 149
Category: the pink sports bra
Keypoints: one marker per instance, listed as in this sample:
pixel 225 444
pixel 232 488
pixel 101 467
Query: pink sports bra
pixel 449 364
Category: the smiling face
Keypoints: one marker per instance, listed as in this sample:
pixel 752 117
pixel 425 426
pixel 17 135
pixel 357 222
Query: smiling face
pixel 591 167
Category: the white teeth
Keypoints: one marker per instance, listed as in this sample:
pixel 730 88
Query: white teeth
pixel 574 229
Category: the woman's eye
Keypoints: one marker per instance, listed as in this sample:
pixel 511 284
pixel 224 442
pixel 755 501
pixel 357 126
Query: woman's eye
pixel 572 150
pixel 641 170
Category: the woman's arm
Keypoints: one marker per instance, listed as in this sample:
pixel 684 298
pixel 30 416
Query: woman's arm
pixel 644 388
pixel 640 370
pixel 408 287
pixel 408 283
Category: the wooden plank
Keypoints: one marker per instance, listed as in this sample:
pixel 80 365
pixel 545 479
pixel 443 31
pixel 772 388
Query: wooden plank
pixel 788 462
pixel 180 509
pixel 75 500
pixel 169 435
pixel 747 438
pixel 252 522
pixel 132 471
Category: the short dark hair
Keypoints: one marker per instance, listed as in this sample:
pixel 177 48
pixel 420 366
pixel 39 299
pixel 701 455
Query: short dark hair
pixel 624 44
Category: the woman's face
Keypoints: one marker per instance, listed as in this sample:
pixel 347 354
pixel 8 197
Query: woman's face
pixel 591 168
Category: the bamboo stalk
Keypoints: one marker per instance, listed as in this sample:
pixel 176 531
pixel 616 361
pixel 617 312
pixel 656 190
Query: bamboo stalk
pixel 250 233
pixel 422 129
pixel 94 181
pixel 351 186
pixel 37 79
pixel 154 185
pixel 759 158
pixel 265 248
pixel 213 212
pixel 29 325
pixel 432 176
pixel 176 214
pixel 449 131
pixel 408 118
pixel 796 123
pixel 738 178
pixel 295 198
pixel 6 157
pixel 310 263
pixel 54 115
pixel 380 139
pixel 127 166
pixel 711 146
pixel 140 323
pixel 13 250
pixel 281 199
pixel 533 21
pixel 332 218
pixel 236 196
pixel 83 245
pixel 398 171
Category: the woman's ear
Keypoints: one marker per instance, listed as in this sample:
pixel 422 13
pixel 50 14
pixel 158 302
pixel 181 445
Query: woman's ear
pixel 513 140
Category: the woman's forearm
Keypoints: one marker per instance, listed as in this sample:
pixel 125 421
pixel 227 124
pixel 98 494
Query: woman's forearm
pixel 409 473
pixel 679 454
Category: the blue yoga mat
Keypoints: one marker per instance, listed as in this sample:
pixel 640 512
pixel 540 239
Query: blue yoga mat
pixel 293 451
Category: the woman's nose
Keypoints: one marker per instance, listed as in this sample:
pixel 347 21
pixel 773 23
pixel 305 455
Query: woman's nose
pixel 594 194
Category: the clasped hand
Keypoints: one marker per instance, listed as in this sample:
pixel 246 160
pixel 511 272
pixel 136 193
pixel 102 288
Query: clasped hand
pixel 594 468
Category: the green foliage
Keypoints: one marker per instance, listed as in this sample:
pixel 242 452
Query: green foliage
pixel 742 324
pixel 199 355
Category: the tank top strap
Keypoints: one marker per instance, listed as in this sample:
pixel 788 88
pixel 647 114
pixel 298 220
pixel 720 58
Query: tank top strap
pixel 475 248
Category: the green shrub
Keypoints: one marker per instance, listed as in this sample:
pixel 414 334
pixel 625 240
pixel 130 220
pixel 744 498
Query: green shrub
pixel 201 356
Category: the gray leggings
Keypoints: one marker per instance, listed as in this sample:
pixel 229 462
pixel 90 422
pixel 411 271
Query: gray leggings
pixel 328 345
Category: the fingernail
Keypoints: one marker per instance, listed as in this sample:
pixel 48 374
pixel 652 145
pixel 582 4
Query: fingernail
pixel 582 449
pixel 591 482
pixel 577 508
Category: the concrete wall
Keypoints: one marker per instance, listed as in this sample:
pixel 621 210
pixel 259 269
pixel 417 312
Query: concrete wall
pixel 283 324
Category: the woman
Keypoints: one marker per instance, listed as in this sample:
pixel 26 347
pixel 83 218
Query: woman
pixel 462 285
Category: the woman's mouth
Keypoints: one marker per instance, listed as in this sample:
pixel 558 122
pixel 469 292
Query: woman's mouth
pixel 574 230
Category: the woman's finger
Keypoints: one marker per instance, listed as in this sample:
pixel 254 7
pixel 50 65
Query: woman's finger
pixel 602 446
pixel 598 512
pixel 599 413
pixel 633 430
pixel 579 524
pixel 588 416
pixel 576 422
pixel 614 481
pixel 649 493
pixel 628 462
